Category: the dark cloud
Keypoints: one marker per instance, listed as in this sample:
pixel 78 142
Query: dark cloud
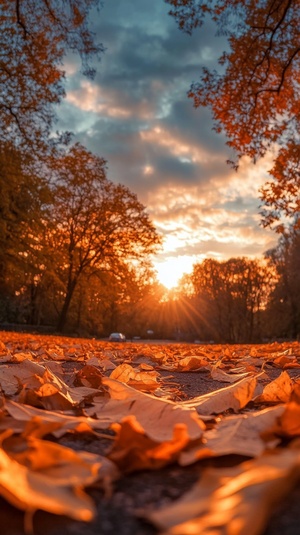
pixel 196 126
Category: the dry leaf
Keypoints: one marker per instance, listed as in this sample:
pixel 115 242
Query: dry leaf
pixel 55 467
pixel 142 380
pixel 151 432
pixel 134 450
pixel 286 362
pixel 278 391
pixel 63 422
pixel 49 397
pixel 233 397
pixel 29 490
pixel 220 375
pixel 89 376
pixel 235 501
pixel 239 435
pixel 54 392
pixel 288 425
pixel 13 376
pixel 3 350
pixel 192 363
pixel 156 416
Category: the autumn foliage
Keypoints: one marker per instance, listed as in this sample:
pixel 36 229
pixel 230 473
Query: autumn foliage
pixel 66 231
pixel 35 37
pixel 254 95
pixel 129 403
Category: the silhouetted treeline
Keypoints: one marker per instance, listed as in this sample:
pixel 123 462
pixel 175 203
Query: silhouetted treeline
pixel 234 301
pixel 240 300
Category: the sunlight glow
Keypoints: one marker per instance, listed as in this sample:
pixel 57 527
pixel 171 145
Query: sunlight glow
pixel 173 143
pixel 170 271
pixel 148 170
pixel 91 98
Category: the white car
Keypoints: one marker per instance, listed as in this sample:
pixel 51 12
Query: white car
pixel 117 337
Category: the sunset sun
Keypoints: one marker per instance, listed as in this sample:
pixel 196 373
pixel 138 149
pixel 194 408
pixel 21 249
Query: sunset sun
pixel 170 271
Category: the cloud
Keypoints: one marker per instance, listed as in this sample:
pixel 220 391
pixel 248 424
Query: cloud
pixel 136 115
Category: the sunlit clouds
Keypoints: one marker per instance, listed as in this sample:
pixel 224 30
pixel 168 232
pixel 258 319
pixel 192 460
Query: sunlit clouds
pixel 90 98
pixel 136 115
pixel 174 144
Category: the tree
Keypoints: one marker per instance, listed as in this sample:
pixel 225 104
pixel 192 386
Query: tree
pixel 284 305
pixel 229 297
pixel 95 224
pixel 35 37
pixel 282 194
pixel 254 96
pixel 23 201
pixel 105 301
pixel 138 299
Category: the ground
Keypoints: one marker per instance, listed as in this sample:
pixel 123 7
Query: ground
pixel 134 494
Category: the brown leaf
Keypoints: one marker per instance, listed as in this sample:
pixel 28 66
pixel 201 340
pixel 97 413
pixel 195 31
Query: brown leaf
pixel 156 416
pixel 134 450
pixel 14 375
pixel 29 490
pixel 49 397
pixel 60 466
pixel 191 363
pixel 220 375
pixel 43 388
pixel 89 376
pixel 278 391
pixel 3 350
pixel 233 397
pixel 288 425
pixel 142 380
pixel 239 435
pixel 63 422
pixel 286 362
pixel 235 500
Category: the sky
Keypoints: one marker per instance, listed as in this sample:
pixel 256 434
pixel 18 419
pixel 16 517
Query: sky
pixel 136 115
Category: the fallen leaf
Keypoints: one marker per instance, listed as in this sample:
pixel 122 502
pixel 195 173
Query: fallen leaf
pixel 142 380
pixel 236 500
pixel 29 490
pixel 233 397
pixel 156 416
pixel 89 376
pixel 65 378
pixel 3 350
pixel 133 450
pixel 220 375
pixel 278 391
pixel 288 425
pixel 13 376
pixel 239 435
pixel 63 422
pixel 52 459
pixel 286 362
pixel 192 363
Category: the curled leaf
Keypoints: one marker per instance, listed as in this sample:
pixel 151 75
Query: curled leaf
pixel 134 450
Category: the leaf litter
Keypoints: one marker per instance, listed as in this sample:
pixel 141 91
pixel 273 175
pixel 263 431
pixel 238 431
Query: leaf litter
pixel 139 419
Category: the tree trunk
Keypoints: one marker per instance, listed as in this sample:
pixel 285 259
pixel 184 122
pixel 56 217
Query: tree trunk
pixel 65 308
